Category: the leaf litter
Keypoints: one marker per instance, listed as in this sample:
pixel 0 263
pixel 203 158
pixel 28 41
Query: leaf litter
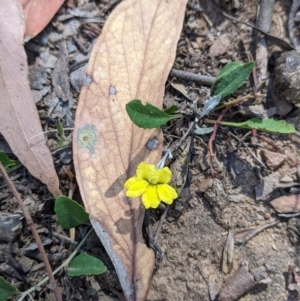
pixel 107 146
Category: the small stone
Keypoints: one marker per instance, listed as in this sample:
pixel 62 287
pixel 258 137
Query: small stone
pixel 26 263
pixel 11 226
pixel 206 184
pixel 272 159
pixel 286 179
pixel 220 46
pixel 286 204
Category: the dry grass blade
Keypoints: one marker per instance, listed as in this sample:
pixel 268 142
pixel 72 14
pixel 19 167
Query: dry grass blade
pixel 131 60
pixel 19 120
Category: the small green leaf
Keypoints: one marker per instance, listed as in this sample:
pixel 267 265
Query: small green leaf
pixel 6 162
pixel 85 264
pixel 209 105
pixel 6 289
pixel 202 131
pixel 266 125
pixel 69 214
pixel 233 78
pixel 224 72
pixel 147 116
pixel 171 110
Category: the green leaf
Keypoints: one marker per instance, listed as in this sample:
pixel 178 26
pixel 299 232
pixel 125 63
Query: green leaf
pixel 6 162
pixel 224 72
pixel 266 125
pixel 171 110
pixel 85 264
pixel 233 78
pixel 6 289
pixel 69 214
pixel 202 131
pixel 147 116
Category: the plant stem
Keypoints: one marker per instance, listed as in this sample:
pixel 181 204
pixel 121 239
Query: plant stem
pixel 31 225
pixel 64 264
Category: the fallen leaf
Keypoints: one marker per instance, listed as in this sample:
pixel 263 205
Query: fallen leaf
pixel 227 258
pixel 181 88
pixel 19 120
pixel 130 60
pixel 38 14
pixel 287 203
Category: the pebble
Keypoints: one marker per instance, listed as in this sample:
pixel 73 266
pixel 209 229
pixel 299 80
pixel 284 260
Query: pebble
pixel 286 179
pixel 11 226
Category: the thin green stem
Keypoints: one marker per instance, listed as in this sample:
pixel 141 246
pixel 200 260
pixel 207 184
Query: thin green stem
pixel 64 264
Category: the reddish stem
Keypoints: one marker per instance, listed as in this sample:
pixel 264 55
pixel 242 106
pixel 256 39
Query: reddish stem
pixel 31 225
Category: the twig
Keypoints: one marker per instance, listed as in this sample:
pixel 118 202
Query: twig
pixel 289 215
pixel 183 137
pixel 213 137
pixel 64 237
pixel 64 264
pixel 249 150
pixel 31 225
pixel 161 221
pixel 292 162
pixel 190 76
pixel 149 228
pixel 258 230
pixel 294 8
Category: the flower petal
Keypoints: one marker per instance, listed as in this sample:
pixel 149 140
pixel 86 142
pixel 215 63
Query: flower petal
pixel 136 187
pixel 166 193
pixel 144 169
pixel 150 197
pixel 165 175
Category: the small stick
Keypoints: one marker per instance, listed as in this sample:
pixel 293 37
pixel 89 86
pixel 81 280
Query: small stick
pixel 254 133
pixel 289 215
pixel 249 150
pixel 31 225
pixel 64 264
pixel 161 221
pixel 190 76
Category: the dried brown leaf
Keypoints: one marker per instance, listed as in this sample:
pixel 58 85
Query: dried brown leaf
pixel 19 120
pixel 131 60
pixel 38 14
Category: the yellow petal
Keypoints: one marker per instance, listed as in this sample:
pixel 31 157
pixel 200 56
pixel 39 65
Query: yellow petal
pixel 136 187
pixel 165 175
pixel 166 193
pixel 150 197
pixel 144 169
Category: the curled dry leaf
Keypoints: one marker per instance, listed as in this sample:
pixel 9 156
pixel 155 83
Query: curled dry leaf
pixel 131 60
pixel 19 120
pixel 38 14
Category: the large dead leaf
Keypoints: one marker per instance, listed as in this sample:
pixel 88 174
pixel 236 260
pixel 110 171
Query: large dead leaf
pixel 131 60
pixel 38 14
pixel 19 120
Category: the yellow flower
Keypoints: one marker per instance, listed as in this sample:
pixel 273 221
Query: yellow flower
pixel 151 184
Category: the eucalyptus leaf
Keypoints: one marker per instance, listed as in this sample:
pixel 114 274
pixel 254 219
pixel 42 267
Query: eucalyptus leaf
pixel 147 116
pixel 267 125
pixel 85 264
pixel 209 105
pixel 202 131
pixel 6 290
pixel 69 214
pixel 233 78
